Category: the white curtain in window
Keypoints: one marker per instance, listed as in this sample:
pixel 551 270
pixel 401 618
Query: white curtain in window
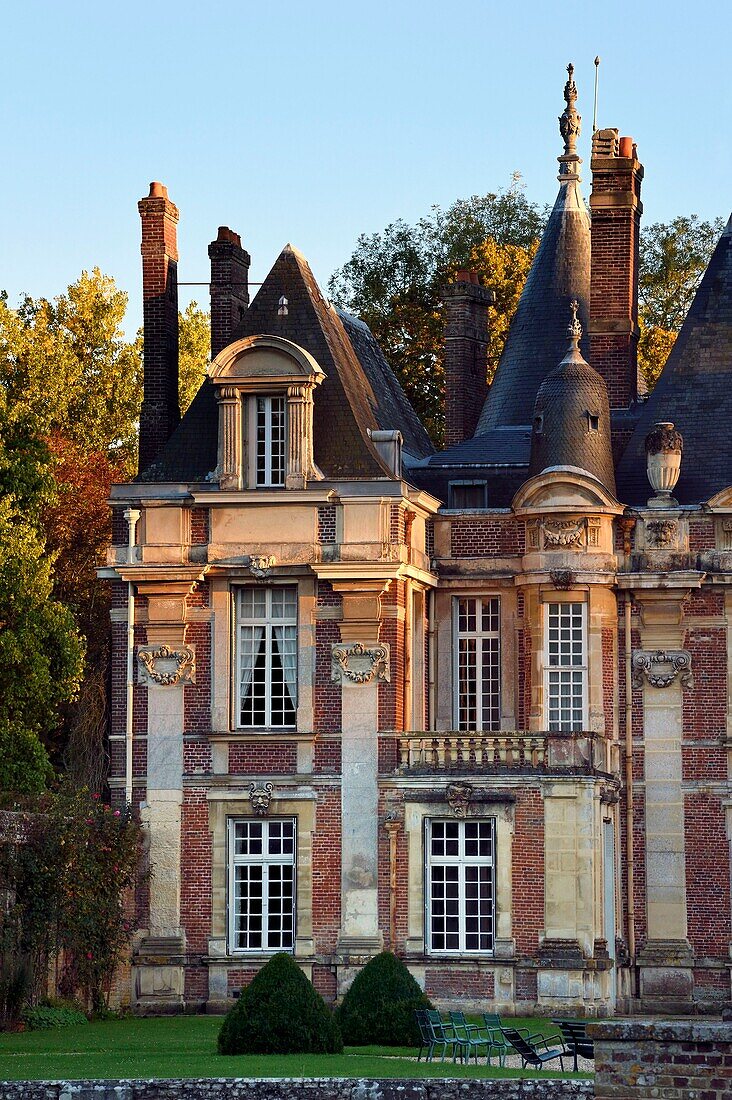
pixel 251 640
pixel 285 640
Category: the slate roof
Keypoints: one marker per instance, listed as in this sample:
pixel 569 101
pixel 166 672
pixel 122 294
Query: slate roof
pixel 359 392
pixel 537 338
pixel 562 434
pixel 392 408
pixel 694 392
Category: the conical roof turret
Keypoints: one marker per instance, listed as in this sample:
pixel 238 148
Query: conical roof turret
pixel 560 273
pixel 571 422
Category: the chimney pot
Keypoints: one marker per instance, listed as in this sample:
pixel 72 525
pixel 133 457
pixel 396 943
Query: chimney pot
pixel 626 147
pixel 226 234
pixel 158 190
pixel 474 278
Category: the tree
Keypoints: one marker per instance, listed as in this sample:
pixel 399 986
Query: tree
pixel 673 258
pixel 68 363
pixel 394 282
pixel 195 352
pixel 41 652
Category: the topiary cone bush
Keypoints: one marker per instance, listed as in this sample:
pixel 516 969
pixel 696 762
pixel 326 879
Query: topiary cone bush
pixel 280 1012
pixel 379 1007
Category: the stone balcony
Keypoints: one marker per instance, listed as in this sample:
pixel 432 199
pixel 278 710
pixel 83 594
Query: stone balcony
pixel 515 750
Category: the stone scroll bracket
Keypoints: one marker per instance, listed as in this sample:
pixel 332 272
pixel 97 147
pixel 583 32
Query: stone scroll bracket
pixel 360 663
pixel 166 665
pixel 661 667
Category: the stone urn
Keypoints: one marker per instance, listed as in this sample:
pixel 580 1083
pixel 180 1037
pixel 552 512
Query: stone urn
pixel 664 446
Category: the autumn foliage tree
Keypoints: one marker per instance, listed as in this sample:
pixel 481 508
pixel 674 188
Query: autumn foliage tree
pixel 394 282
pixel 673 258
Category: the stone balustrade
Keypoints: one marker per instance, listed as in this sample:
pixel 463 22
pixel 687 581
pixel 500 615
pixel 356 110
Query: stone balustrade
pixel 584 751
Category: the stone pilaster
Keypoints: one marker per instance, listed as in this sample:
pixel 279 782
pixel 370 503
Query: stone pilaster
pixel 158 973
pixel 665 962
pixel 360 662
pixel 300 466
pixel 230 438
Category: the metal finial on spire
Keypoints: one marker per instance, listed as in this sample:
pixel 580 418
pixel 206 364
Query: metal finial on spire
pixel 569 126
pixel 574 328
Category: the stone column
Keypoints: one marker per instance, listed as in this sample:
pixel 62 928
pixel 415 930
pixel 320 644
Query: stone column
pixel 665 961
pixel 230 437
pixel 360 663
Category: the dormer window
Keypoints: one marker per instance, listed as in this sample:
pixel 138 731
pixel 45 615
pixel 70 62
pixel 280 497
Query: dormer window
pixel 264 388
pixel 269 437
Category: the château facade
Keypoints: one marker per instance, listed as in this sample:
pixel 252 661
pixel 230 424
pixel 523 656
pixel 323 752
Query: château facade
pixel 472 706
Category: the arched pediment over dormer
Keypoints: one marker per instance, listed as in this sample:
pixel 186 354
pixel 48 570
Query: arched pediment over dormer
pixel 264 388
pixel 564 489
pixel 721 501
pixel 271 360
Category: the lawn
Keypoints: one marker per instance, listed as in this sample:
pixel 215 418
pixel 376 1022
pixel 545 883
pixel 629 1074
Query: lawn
pixel 185 1046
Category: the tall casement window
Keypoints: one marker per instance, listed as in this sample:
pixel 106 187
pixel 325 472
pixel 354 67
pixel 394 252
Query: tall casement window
pixel 460 886
pixel 478 663
pixel 566 666
pixel 270 437
pixel 267 656
pixel 261 885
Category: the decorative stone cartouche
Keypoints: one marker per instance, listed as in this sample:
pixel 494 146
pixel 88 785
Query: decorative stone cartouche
pixel 664 446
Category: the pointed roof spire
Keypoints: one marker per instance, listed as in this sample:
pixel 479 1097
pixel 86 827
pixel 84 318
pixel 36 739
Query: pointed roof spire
pixel 560 271
pixel 570 125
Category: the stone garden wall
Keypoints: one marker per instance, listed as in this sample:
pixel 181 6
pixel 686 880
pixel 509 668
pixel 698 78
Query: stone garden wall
pixel 314 1089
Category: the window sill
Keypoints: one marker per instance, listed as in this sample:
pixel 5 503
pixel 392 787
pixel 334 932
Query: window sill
pixel 258 734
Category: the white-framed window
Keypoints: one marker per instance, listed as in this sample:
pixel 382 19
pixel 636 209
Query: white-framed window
pixel 565 673
pixel 266 625
pixel 262 884
pixel 460 892
pixel 477 663
pixel 268 434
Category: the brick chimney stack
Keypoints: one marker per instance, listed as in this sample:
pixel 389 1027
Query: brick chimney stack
pixel 466 355
pixel 160 409
pixel 616 208
pixel 229 287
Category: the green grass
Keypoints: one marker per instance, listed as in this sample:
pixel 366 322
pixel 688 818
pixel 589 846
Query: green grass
pixel 185 1046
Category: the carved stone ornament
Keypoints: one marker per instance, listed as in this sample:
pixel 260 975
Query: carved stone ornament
pixel 261 564
pixel 562 579
pixel 458 797
pixel 167 666
pixel 260 796
pixel 564 534
pixel 359 663
pixel 660 667
pixel 661 534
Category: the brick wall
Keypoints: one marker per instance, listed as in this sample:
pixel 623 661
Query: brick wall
pixel 701 533
pixel 197 697
pixel 195 885
pixel 326 523
pixel 326 693
pixel 472 537
pixel 705 705
pixel 676 1060
pixel 707 876
pixel 464 984
pixel 528 870
pixel 391 694
pixel 327 869
pixel 263 757
pixel 200 526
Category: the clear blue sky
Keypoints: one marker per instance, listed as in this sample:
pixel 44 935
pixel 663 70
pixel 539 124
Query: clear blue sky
pixel 312 121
